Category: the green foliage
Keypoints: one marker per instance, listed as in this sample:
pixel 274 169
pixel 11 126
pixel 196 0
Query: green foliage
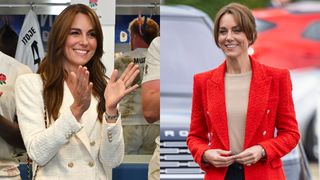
pixel 211 7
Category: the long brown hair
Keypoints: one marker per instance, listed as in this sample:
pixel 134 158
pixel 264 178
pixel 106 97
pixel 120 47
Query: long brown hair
pixel 51 68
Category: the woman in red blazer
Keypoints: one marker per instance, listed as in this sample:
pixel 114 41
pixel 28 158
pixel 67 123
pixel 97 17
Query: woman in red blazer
pixel 237 106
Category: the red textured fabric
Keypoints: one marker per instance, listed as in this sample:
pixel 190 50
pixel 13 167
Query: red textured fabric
pixel 270 106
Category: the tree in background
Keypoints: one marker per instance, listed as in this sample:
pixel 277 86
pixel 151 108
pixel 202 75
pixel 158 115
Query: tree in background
pixel 211 7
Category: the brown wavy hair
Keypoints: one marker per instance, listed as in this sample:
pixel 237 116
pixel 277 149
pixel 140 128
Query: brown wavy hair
pixel 243 17
pixel 51 68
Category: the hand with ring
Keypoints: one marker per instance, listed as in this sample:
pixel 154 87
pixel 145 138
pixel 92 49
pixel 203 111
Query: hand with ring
pixel 249 156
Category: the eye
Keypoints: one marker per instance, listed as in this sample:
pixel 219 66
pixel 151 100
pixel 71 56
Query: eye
pixel 74 33
pixel 237 30
pixel 222 31
pixel 92 34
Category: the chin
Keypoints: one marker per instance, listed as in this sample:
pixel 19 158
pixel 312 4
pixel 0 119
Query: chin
pixel 84 60
pixel 231 55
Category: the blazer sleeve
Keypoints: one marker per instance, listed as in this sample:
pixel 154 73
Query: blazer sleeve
pixel 112 145
pixel 41 143
pixel 286 124
pixel 197 139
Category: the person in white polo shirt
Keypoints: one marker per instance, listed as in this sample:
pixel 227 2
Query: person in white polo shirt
pixel 138 134
pixel 10 136
pixel 151 100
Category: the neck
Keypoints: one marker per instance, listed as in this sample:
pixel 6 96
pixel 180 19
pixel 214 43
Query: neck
pixel 69 68
pixel 238 65
pixel 139 43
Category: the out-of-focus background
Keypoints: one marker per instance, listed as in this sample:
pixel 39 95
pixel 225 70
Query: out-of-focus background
pixel 288 37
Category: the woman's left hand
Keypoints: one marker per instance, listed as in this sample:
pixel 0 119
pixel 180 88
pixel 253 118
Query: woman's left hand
pixel 117 89
pixel 250 155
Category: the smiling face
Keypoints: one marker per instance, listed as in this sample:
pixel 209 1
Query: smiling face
pixel 231 38
pixel 80 44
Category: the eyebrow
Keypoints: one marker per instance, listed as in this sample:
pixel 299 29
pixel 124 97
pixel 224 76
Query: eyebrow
pixel 238 26
pixel 78 29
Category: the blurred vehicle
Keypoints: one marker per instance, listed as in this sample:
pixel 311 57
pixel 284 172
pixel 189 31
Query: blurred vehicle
pixel 188 48
pixel 290 38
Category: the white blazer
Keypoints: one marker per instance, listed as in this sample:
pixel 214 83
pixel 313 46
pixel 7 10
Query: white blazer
pixel 67 149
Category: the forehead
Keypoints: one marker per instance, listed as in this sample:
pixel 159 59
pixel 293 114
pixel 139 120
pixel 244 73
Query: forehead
pixel 82 21
pixel 228 20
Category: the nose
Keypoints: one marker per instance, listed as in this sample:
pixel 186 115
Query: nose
pixel 84 40
pixel 229 36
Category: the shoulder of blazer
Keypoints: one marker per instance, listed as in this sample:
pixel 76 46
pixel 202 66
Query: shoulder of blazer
pixel 204 76
pixel 274 72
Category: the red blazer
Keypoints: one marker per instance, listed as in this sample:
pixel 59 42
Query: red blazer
pixel 270 106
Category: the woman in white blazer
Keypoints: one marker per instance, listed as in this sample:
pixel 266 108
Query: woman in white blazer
pixel 68 112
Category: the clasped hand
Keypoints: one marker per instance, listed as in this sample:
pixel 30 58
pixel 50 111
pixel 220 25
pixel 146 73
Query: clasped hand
pixel 81 89
pixel 222 158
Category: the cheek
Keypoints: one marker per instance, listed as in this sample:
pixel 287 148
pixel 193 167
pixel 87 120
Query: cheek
pixel 221 40
pixel 65 50
pixel 70 41
pixel 94 44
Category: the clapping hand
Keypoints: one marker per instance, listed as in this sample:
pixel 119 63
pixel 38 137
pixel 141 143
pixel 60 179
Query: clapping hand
pixel 117 88
pixel 80 88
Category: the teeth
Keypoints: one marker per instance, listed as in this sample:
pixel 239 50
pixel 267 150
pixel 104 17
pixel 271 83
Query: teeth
pixel 81 52
pixel 230 46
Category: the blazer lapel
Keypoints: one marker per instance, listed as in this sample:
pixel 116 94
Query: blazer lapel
pixel 258 99
pixel 216 105
pixel 83 137
pixel 257 104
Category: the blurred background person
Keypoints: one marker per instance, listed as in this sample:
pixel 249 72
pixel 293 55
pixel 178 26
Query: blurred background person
pixel 10 136
pixel 151 101
pixel 139 136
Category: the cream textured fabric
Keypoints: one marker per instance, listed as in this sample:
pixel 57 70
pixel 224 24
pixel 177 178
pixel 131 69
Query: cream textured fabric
pixel 66 149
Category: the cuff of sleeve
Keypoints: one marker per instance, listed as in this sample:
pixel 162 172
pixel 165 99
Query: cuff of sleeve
pixel 203 165
pixel 113 131
pixel 68 125
pixel 267 156
pixel 110 126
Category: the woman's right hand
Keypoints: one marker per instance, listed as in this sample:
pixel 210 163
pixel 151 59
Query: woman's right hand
pixel 80 88
pixel 218 157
